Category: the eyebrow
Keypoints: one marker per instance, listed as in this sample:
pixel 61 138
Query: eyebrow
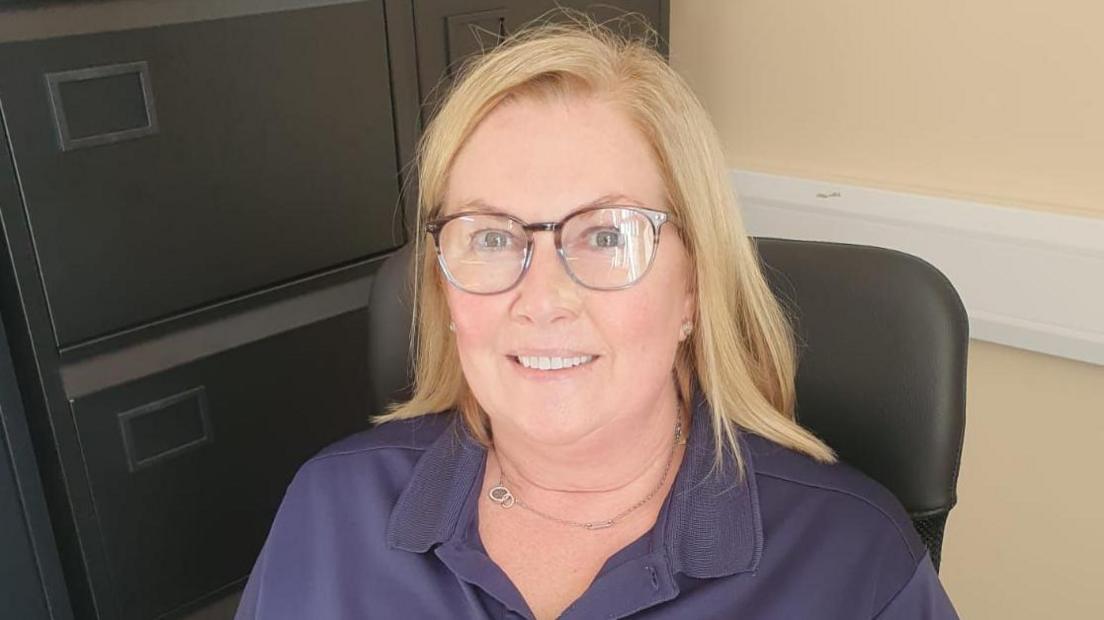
pixel 480 205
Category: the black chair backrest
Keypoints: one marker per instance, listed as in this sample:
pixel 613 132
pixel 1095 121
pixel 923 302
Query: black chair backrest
pixel 882 340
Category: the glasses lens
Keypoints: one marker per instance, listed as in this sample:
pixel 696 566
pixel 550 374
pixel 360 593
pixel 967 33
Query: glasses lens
pixel 482 253
pixel 610 247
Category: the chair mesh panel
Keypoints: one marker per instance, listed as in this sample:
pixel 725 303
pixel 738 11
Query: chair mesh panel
pixel 930 529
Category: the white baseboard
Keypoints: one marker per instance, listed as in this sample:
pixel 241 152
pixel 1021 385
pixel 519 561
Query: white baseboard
pixel 1029 279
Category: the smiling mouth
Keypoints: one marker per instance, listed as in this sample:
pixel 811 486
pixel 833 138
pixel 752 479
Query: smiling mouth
pixel 549 363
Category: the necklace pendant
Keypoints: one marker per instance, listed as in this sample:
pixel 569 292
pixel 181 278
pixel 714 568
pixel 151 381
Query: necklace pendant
pixel 502 496
pixel 598 525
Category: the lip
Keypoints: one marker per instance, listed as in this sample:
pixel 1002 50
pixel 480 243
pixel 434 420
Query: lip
pixel 550 353
pixel 551 376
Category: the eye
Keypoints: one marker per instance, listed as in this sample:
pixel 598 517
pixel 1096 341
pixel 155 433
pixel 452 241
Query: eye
pixel 605 238
pixel 492 240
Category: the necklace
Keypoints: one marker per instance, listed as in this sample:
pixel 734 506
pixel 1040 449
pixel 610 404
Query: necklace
pixel 502 495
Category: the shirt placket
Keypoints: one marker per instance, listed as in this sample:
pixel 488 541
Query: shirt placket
pixel 626 589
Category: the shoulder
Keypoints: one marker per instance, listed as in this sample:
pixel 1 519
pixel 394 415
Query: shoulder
pixel 827 515
pixel 848 489
pixel 415 434
pixel 333 521
pixel 385 453
pixel 348 490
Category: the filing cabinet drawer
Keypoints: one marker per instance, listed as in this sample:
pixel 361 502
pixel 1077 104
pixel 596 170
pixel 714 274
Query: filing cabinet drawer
pixel 187 466
pixel 165 168
pixel 450 32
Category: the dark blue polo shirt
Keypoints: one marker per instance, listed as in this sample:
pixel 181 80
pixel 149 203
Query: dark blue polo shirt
pixel 384 524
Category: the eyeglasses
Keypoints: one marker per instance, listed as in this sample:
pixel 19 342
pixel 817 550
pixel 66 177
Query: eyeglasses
pixel 603 248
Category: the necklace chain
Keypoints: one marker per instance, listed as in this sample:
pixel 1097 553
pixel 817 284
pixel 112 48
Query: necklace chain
pixel 501 494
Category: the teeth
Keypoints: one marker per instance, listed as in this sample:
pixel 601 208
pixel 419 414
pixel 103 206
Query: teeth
pixel 553 363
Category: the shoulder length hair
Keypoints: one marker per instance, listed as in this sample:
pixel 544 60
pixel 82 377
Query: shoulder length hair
pixel 741 354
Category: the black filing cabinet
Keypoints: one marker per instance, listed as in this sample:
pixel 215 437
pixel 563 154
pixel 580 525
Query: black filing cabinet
pixel 193 203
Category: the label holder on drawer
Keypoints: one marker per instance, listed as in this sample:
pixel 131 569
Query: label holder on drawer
pixel 166 428
pixel 143 97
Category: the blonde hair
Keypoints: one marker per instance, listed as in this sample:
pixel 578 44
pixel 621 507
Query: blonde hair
pixel 741 354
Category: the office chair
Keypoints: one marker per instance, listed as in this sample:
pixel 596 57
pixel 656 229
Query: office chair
pixel 882 339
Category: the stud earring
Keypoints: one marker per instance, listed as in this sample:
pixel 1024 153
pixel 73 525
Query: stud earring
pixel 687 329
pixel 452 326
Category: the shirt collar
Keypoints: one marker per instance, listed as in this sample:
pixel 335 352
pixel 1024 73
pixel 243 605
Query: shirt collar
pixel 711 524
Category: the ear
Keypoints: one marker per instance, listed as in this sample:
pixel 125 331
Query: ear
pixel 690 301
pixel 690 304
pixel 689 312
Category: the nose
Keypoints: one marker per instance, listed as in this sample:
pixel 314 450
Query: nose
pixel 546 294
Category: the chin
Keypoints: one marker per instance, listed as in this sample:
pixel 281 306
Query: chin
pixel 551 425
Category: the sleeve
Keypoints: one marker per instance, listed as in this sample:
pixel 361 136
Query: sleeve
pixel 292 554
pixel 921 598
pixel 248 606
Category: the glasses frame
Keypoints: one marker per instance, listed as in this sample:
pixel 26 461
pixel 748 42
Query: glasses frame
pixel 655 217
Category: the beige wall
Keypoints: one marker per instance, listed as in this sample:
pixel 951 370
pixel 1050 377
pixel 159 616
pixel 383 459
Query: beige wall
pixel 986 100
pixel 989 100
pixel 1027 537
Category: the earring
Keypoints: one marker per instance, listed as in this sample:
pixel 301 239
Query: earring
pixel 687 329
pixel 452 326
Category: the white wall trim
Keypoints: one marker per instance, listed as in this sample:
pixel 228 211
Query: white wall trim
pixel 1029 279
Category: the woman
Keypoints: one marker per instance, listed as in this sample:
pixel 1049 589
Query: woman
pixel 602 421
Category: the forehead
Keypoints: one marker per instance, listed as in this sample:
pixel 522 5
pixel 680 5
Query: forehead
pixel 540 160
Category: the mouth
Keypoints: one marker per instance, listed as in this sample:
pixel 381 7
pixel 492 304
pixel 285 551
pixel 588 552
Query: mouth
pixel 552 363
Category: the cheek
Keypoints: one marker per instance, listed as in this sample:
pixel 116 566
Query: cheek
pixel 644 329
pixel 477 318
pixel 649 320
